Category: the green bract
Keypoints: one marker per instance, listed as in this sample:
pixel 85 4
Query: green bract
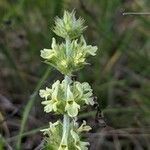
pixel 67 97
pixel 61 99
pixel 69 26
pixel 65 62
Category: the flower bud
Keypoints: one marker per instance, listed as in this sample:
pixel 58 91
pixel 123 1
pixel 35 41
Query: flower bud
pixel 69 26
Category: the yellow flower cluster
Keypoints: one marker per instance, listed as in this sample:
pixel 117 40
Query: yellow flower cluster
pixel 62 98
pixel 69 62
pixel 54 133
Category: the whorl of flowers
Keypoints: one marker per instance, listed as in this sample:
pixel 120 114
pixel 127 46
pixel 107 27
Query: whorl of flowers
pixel 56 99
pixel 69 62
pixel 67 97
pixel 54 134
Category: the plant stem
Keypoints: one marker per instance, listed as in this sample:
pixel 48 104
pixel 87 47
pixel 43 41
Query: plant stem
pixel 66 119
pixel 66 125
pixel 67 46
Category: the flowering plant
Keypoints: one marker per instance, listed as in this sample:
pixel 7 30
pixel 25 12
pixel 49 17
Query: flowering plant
pixel 67 97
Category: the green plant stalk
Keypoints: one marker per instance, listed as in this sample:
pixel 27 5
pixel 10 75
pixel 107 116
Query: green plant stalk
pixel 67 46
pixel 66 126
pixel 67 97
pixel 66 119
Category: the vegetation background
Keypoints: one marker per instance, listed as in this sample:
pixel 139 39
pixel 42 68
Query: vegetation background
pixel 119 74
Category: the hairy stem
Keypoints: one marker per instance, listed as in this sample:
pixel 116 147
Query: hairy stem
pixel 66 126
pixel 66 118
pixel 67 46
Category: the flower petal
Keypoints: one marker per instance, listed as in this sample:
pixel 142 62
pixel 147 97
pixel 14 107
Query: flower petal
pixel 47 53
pixel 55 93
pixel 80 89
pixel 50 105
pixel 55 84
pixel 88 100
pixel 53 43
pixel 75 136
pixel 45 93
pixel 69 94
pixel 84 127
pixel 80 145
pixel 92 50
pixel 72 108
pixel 63 147
pixel 86 86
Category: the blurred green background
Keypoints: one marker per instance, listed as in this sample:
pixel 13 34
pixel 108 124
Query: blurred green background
pixel 119 73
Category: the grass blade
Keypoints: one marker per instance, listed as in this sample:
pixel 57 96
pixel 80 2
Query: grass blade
pixel 29 106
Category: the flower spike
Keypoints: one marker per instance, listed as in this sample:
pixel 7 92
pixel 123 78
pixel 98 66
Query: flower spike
pixel 67 97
